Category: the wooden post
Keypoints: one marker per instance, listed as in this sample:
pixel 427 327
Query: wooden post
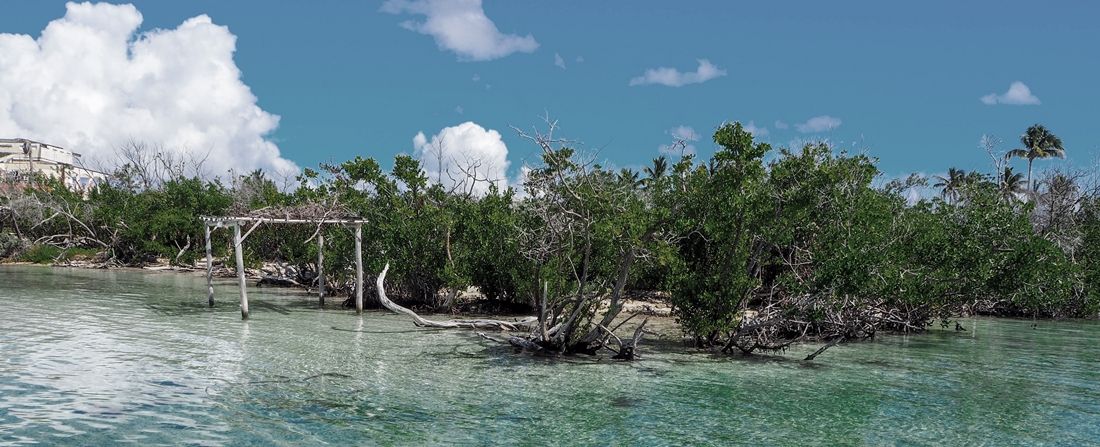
pixel 358 268
pixel 321 267
pixel 240 268
pixel 209 270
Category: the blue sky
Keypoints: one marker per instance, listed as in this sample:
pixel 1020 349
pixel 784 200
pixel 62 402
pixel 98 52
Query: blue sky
pixel 904 81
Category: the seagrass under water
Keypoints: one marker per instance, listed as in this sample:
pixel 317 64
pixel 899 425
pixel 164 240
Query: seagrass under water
pixel 98 357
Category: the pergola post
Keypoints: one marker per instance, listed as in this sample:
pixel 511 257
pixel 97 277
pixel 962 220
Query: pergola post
pixel 209 269
pixel 240 268
pixel 212 223
pixel 358 268
pixel 321 267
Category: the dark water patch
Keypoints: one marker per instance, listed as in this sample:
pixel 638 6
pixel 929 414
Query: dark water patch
pixel 405 331
pixel 626 402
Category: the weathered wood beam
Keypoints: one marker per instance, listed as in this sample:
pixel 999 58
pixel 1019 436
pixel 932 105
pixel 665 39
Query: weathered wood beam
pixel 209 269
pixel 278 220
pixel 358 269
pixel 250 230
pixel 321 268
pixel 237 250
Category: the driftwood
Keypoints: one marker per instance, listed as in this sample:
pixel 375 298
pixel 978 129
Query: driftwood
pixel 528 323
pixel 278 281
pixel 627 350
pixel 828 345
pixel 538 338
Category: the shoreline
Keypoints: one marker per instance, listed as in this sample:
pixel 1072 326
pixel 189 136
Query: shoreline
pixel 660 319
pixel 662 331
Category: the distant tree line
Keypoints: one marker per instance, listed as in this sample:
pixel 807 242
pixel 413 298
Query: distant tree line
pixel 756 248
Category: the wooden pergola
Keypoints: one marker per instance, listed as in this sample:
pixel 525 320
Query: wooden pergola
pixel 284 216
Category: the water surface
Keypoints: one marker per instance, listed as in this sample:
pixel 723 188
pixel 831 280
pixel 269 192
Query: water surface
pixel 91 357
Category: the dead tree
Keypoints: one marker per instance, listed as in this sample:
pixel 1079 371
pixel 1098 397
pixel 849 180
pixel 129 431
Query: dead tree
pixel 568 198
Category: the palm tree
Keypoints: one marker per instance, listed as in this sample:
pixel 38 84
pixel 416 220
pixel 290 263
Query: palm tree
pixel 952 184
pixel 1038 143
pixel 655 173
pixel 1010 185
pixel 630 177
pixel 660 165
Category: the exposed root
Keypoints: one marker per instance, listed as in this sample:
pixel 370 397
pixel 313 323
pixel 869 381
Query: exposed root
pixel 628 351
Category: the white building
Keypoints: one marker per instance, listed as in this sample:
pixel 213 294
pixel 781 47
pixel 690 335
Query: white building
pixel 20 159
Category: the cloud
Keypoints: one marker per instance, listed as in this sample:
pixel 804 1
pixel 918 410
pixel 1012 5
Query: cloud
pixel 558 61
pixel 685 133
pixel 457 152
pixel 1018 94
pixel 682 137
pixel 758 132
pixel 672 77
pixel 90 82
pixel 781 125
pixel 823 123
pixel 462 27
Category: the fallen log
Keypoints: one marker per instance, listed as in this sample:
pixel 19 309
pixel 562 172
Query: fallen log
pixel 527 323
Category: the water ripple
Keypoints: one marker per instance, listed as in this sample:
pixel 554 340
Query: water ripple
pixel 114 357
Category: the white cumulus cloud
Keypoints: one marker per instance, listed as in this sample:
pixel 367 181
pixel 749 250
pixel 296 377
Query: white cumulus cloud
pixel 466 157
pixel 758 132
pixel 90 82
pixel 462 27
pixel 823 123
pixel 559 61
pixel 1018 94
pixel 686 133
pixel 675 78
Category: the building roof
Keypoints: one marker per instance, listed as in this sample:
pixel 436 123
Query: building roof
pixel 25 140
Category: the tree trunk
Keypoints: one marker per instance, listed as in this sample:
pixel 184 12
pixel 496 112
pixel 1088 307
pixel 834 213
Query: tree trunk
pixel 615 306
pixel 1029 185
pixel 629 351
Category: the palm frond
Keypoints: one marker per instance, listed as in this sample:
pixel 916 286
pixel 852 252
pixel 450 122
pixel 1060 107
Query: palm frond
pixel 1017 153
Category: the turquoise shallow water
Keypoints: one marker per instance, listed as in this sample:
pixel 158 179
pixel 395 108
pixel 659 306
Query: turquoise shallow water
pixel 111 357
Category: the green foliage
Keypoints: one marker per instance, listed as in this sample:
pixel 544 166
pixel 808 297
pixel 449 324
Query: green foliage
pixel 412 225
pixel 1090 252
pixel 809 233
pixel 805 235
pixel 720 207
pixel 10 245
pixel 486 249
pixel 40 254
pixel 158 222
pixel 49 254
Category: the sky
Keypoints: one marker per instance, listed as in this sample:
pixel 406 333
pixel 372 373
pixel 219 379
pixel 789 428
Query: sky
pixel 281 85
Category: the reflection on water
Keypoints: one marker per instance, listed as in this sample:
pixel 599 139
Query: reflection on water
pixel 97 357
